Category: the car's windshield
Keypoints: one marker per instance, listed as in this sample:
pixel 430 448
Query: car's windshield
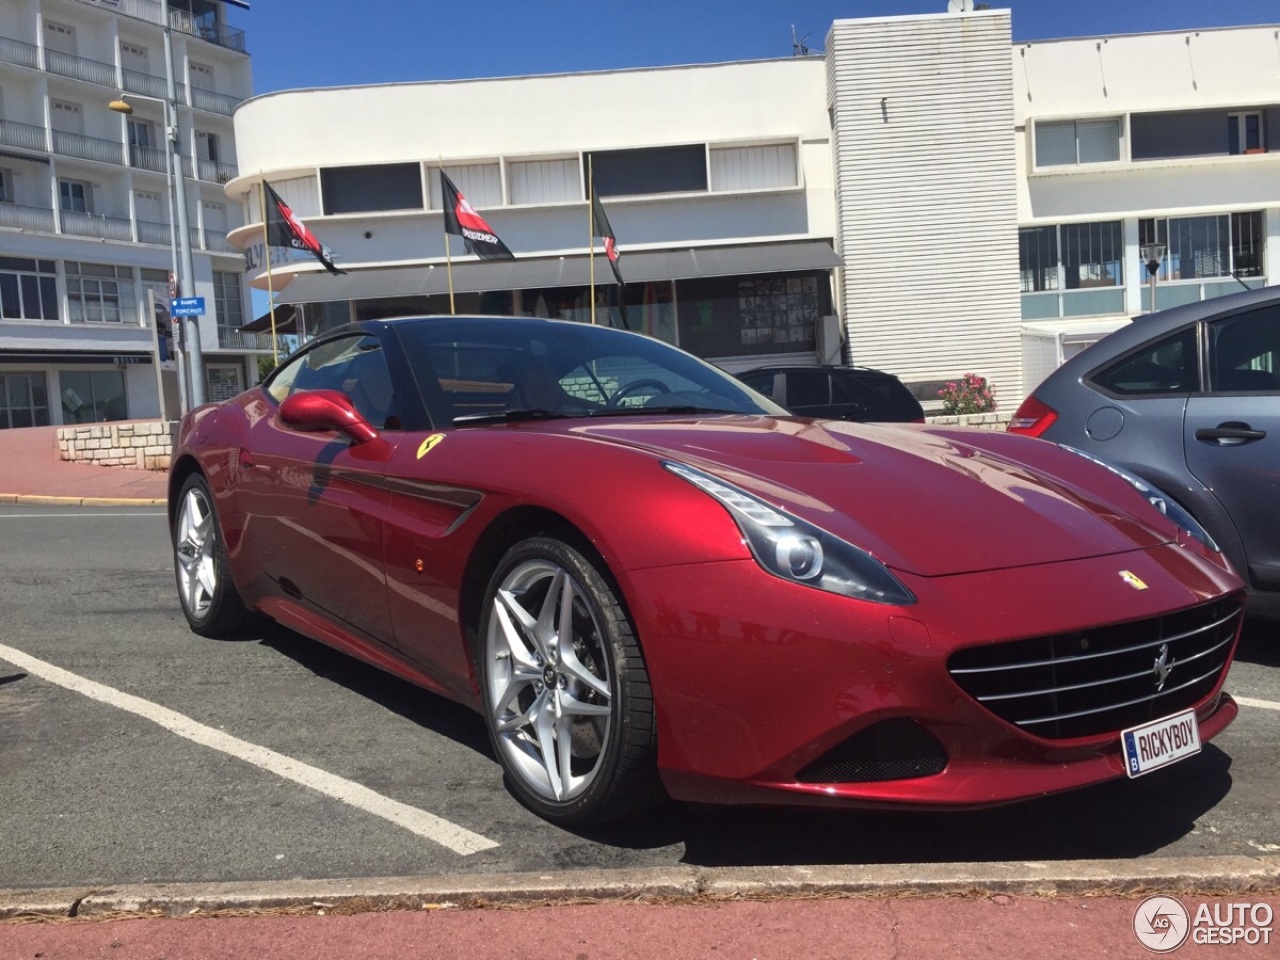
pixel 480 369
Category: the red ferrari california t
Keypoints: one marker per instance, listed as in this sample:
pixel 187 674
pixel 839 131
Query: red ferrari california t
pixel 650 579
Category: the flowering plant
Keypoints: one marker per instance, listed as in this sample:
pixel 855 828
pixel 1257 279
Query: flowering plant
pixel 970 394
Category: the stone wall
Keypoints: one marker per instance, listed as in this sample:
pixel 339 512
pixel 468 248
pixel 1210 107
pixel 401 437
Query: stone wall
pixel 988 421
pixel 141 444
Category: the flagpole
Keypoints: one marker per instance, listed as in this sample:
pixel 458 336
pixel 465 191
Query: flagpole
pixel 448 257
pixel 591 235
pixel 266 255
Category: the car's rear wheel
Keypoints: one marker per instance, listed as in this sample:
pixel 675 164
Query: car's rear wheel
pixel 567 698
pixel 209 598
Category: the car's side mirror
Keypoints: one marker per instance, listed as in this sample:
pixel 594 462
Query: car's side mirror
pixel 314 411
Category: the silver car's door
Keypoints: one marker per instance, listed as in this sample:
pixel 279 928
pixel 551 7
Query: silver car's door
pixel 1232 434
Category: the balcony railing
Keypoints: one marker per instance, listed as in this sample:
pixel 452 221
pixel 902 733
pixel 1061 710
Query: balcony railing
pixel 19 52
pixel 79 68
pixel 135 81
pixel 230 339
pixel 148 158
pixel 15 134
pixel 215 171
pixel 87 148
pixel 219 33
pixel 95 225
pixel 213 102
pixel 217 240
pixel 39 219
pixel 152 232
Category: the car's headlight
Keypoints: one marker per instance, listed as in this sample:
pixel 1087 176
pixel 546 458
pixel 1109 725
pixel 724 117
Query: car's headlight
pixel 794 550
pixel 1157 498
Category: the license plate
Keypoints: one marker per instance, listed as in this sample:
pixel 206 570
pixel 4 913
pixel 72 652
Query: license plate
pixel 1160 743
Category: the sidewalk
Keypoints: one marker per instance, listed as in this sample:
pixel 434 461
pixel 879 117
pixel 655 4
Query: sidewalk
pixel 31 472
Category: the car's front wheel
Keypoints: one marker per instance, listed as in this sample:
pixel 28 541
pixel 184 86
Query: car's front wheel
pixel 209 598
pixel 567 698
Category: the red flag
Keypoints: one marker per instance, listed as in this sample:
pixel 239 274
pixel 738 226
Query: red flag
pixel 600 227
pixel 284 229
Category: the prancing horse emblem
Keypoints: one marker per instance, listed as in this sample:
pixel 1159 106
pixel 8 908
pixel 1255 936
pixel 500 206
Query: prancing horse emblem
pixel 1132 579
pixel 1163 666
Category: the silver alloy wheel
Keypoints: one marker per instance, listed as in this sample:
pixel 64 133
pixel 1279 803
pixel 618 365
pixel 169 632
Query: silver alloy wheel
pixel 549 689
pixel 196 553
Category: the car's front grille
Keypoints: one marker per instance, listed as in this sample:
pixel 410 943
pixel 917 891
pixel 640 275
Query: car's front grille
pixel 898 749
pixel 1104 679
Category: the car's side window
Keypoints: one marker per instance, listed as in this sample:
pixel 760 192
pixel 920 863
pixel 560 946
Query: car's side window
pixel 354 366
pixel 808 389
pixel 761 383
pixel 1165 367
pixel 1244 353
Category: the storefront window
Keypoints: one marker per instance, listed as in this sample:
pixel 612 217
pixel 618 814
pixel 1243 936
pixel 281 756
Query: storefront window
pixel 24 400
pixel 92 396
pixel 742 316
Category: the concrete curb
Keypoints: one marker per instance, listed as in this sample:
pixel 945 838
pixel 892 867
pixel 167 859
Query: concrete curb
pixel 40 500
pixel 1208 876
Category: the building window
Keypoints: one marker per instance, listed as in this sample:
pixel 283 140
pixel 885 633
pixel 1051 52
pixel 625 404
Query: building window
pixel 1072 269
pixel 92 396
pixel 24 400
pixel 1205 247
pixel 227 300
pixel 1244 132
pixel 372 188
pixel 542 181
pixel 650 170
pixel 753 168
pixel 28 289
pixel 75 196
pixel 99 293
pixel 480 183
pixel 225 381
pixel 6 186
pixel 1078 141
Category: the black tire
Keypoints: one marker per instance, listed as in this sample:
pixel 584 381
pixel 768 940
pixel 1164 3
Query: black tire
pixel 596 695
pixel 207 594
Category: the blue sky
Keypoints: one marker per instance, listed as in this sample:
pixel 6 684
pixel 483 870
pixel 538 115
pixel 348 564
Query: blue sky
pixel 317 43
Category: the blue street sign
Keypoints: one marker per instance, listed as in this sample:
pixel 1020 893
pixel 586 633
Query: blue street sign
pixel 187 306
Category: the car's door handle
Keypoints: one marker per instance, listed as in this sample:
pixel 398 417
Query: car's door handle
pixel 1239 432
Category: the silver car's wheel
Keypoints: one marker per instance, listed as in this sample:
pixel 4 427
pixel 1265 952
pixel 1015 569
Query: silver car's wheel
pixel 208 596
pixel 563 680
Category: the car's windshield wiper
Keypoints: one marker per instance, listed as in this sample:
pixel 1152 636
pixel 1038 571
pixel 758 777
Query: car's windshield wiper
pixel 510 416
pixel 641 411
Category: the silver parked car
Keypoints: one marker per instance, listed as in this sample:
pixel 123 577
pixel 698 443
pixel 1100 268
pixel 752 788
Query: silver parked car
pixel 1188 399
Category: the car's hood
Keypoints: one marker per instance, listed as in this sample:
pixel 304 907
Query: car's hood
pixel 923 500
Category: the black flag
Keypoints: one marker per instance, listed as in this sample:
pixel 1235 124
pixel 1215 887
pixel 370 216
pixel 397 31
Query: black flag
pixel 461 220
pixel 284 229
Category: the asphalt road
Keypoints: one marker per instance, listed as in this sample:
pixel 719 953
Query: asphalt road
pixel 132 750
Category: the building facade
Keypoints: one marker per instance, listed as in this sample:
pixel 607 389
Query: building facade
pixel 87 224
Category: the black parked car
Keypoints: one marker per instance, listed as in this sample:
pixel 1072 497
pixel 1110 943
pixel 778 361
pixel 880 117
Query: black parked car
pixel 1189 400
pixel 837 393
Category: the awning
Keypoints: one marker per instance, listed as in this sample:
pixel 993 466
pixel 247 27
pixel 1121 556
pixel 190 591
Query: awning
pixel 473 276
pixel 286 321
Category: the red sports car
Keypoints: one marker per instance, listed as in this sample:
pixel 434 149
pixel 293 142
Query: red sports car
pixel 648 578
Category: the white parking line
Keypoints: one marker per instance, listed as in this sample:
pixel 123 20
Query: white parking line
pixel 426 825
pixel 1264 704
pixel 74 512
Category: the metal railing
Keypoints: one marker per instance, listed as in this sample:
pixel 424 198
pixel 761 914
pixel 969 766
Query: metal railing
pixel 87 148
pixel 151 232
pixel 39 219
pixel 135 81
pixel 219 33
pixel 20 52
pixel 79 68
pixel 216 240
pixel 95 225
pixel 215 171
pixel 15 134
pixel 231 339
pixel 148 158
pixel 213 102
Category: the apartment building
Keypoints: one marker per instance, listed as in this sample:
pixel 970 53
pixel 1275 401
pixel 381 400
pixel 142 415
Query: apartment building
pixel 87 221
pixel 925 196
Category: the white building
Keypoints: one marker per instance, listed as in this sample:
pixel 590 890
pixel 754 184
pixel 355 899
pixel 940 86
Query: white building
pixel 926 196
pixel 85 211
